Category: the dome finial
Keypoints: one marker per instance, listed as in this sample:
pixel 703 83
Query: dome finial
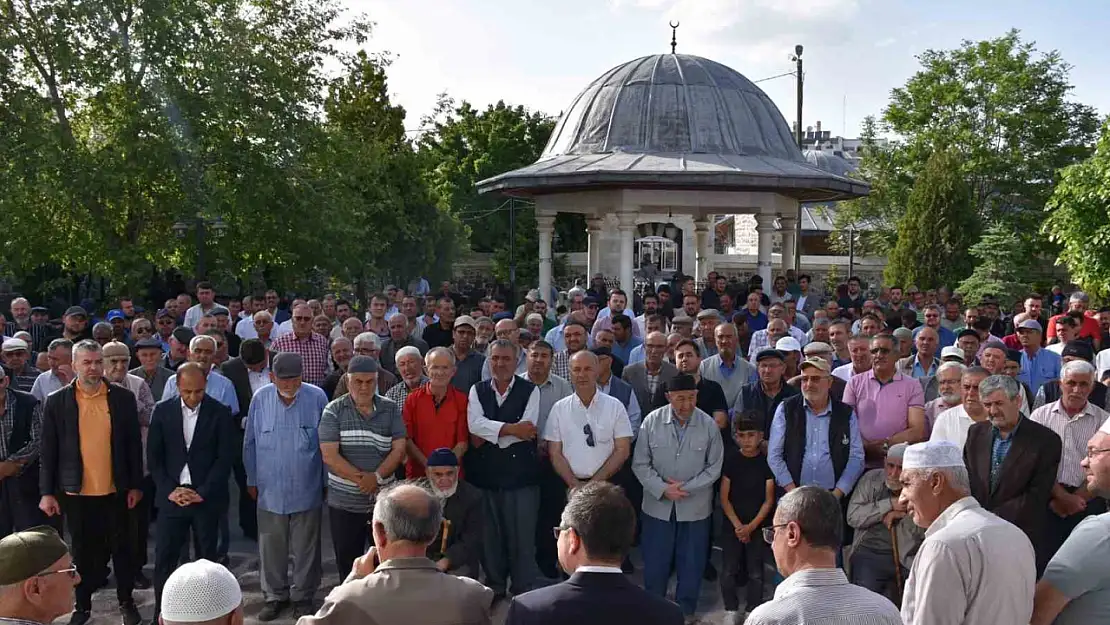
pixel 674 29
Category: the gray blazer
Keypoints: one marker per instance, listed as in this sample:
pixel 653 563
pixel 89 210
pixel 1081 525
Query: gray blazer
pixel 157 383
pixel 696 461
pixel 636 376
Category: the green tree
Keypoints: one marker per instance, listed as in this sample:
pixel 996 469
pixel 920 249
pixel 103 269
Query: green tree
pixel 465 145
pixel 1003 108
pixel 1080 219
pixel 1004 260
pixel 937 228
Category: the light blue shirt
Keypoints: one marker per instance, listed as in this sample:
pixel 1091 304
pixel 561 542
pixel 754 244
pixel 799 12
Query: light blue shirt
pixel 624 352
pixel 216 386
pixel 637 355
pixel 281 450
pixel 1043 367
pixel 555 337
pixel 817 467
pixel 945 337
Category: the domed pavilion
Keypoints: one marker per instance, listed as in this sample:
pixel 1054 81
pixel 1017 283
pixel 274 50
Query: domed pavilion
pixel 656 148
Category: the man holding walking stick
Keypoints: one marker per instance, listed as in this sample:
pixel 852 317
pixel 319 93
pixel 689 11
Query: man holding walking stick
pixel 886 535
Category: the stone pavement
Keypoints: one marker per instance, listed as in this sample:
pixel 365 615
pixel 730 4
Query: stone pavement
pixel 244 564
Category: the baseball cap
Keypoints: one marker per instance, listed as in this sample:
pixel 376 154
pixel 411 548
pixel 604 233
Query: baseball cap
pixel 1030 324
pixel 967 332
pixel 76 310
pixel 1078 349
pixel 788 344
pixel 114 314
pixel 465 320
pixel 163 312
pixel 952 352
pixel 816 363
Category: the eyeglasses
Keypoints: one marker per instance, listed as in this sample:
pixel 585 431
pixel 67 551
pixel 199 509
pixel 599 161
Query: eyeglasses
pixel 878 351
pixel 1091 453
pixel 71 572
pixel 589 435
pixel 769 533
pixel 302 318
pixel 559 529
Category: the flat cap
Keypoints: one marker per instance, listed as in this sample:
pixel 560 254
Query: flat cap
pixel 287 365
pixel 24 555
pixel 362 364
pixel 682 382
pixel 769 353
pixel 602 350
pixel 682 317
pixel 1029 324
pixel 15 345
pixel 40 309
pixel 149 343
pixel 817 347
pixel 1013 355
pixel 183 334
pixel 903 334
pixel 76 310
pixel 708 313
pixel 1078 349
pixel 967 332
pixel 115 349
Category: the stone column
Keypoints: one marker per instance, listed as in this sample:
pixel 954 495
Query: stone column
pixel 545 225
pixel 593 256
pixel 765 227
pixel 627 227
pixel 789 240
pixel 703 237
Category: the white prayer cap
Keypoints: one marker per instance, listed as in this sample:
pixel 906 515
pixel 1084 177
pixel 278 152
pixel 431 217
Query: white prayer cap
pixel 932 455
pixel 1105 429
pixel 200 591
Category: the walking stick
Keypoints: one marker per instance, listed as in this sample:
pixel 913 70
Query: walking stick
pixel 446 533
pixel 897 559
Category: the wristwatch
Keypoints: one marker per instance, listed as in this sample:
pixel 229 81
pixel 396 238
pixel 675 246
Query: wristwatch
pixel 886 445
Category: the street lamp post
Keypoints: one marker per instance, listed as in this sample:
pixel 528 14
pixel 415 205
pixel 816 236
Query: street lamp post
pixel 801 146
pixel 202 225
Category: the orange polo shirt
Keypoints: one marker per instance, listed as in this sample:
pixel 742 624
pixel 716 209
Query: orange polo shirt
pixel 431 427
pixel 94 425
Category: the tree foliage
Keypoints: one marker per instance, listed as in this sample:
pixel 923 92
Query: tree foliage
pixel 1080 219
pixel 1004 259
pixel 937 229
pixel 1002 107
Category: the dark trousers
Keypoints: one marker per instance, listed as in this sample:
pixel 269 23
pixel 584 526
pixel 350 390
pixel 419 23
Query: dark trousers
pixel 681 543
pixel 553 498
pixel 98 532
pixel 19 510
pixel 742 566
pixel 875 571
pixel 138 524
pixel 633 489
pixel 172 532
pixel 350 535
pixel 1056 530
pixel 248 511
pixel 509 532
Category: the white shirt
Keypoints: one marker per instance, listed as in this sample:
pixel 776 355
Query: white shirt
pixel 972 568
pixel 952 426
pixel 195 312
pixel 566 424
pixel 1056 348
pixel 490 430
pixel 258 379
pixel 1102 362
pixel 189 427
pixel 844 372
pixel 599 569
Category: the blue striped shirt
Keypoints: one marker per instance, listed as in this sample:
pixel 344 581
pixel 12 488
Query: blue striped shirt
pixel 281 449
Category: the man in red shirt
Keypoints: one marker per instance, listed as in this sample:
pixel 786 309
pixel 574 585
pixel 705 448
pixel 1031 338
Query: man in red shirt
pixel 1078 301
pixel 435 414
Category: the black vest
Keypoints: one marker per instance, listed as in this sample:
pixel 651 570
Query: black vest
pixel 22 414
pixel 490 467
pixel 1052 393
pixel 794 444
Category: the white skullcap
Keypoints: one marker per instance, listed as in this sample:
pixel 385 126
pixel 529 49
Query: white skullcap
pixel 932 455
pixel 1105 429
pixel 200 591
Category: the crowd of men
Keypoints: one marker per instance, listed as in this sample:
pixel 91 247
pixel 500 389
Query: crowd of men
pixel 865 446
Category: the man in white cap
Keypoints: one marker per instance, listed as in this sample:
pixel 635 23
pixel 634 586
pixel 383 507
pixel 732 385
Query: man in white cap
pixel 1075 588
pixel 973 567
pixel 202 593
pixel 17 357
pixel 791 350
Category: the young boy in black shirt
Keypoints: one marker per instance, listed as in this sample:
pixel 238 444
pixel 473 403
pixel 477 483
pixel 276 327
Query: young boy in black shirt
pixel 748 499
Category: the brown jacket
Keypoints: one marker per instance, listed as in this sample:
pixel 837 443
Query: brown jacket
pixel 406 591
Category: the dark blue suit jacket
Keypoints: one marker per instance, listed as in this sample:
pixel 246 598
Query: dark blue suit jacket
pixel 209 456
pixel 592 599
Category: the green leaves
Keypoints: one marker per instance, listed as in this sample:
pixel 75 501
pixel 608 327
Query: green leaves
pixel 1079 221
pixel 1004 261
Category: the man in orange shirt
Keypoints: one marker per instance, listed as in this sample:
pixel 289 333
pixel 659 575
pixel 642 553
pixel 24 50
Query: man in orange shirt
pixel 91 468
pixel 435 414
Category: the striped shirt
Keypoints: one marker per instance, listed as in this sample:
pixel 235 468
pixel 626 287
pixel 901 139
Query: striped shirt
pixel 363 441
pixel 29 452
pixel 1074 432
pixel 400 391
pixel 41 334
pixel 314 354
pixel 25 380
pixel 824 596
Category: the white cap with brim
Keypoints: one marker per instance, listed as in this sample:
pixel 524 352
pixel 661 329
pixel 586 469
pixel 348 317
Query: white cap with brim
pixel 933 455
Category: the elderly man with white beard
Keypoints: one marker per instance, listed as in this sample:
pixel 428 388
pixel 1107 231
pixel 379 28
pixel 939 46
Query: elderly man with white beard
pixel 949 377
pixel 457 547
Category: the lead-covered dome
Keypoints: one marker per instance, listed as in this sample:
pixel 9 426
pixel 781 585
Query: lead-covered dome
pixel 673 103
pixel 830 162
pixel 674 121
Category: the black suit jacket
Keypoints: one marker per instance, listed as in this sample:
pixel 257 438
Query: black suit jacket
pixel 1028 474
pixel 209 456
pixel 60 466
pixel 236 371
pixel 592 599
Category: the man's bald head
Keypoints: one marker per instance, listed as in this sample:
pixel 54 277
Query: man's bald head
pixel 406 517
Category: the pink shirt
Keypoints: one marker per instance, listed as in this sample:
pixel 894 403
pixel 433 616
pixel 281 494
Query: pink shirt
pixel 883 409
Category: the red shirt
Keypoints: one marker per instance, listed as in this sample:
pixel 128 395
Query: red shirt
pixel 1089 329
pixel 431 427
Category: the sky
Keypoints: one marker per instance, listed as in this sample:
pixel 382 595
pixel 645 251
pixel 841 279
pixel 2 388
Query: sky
pixel 541 54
